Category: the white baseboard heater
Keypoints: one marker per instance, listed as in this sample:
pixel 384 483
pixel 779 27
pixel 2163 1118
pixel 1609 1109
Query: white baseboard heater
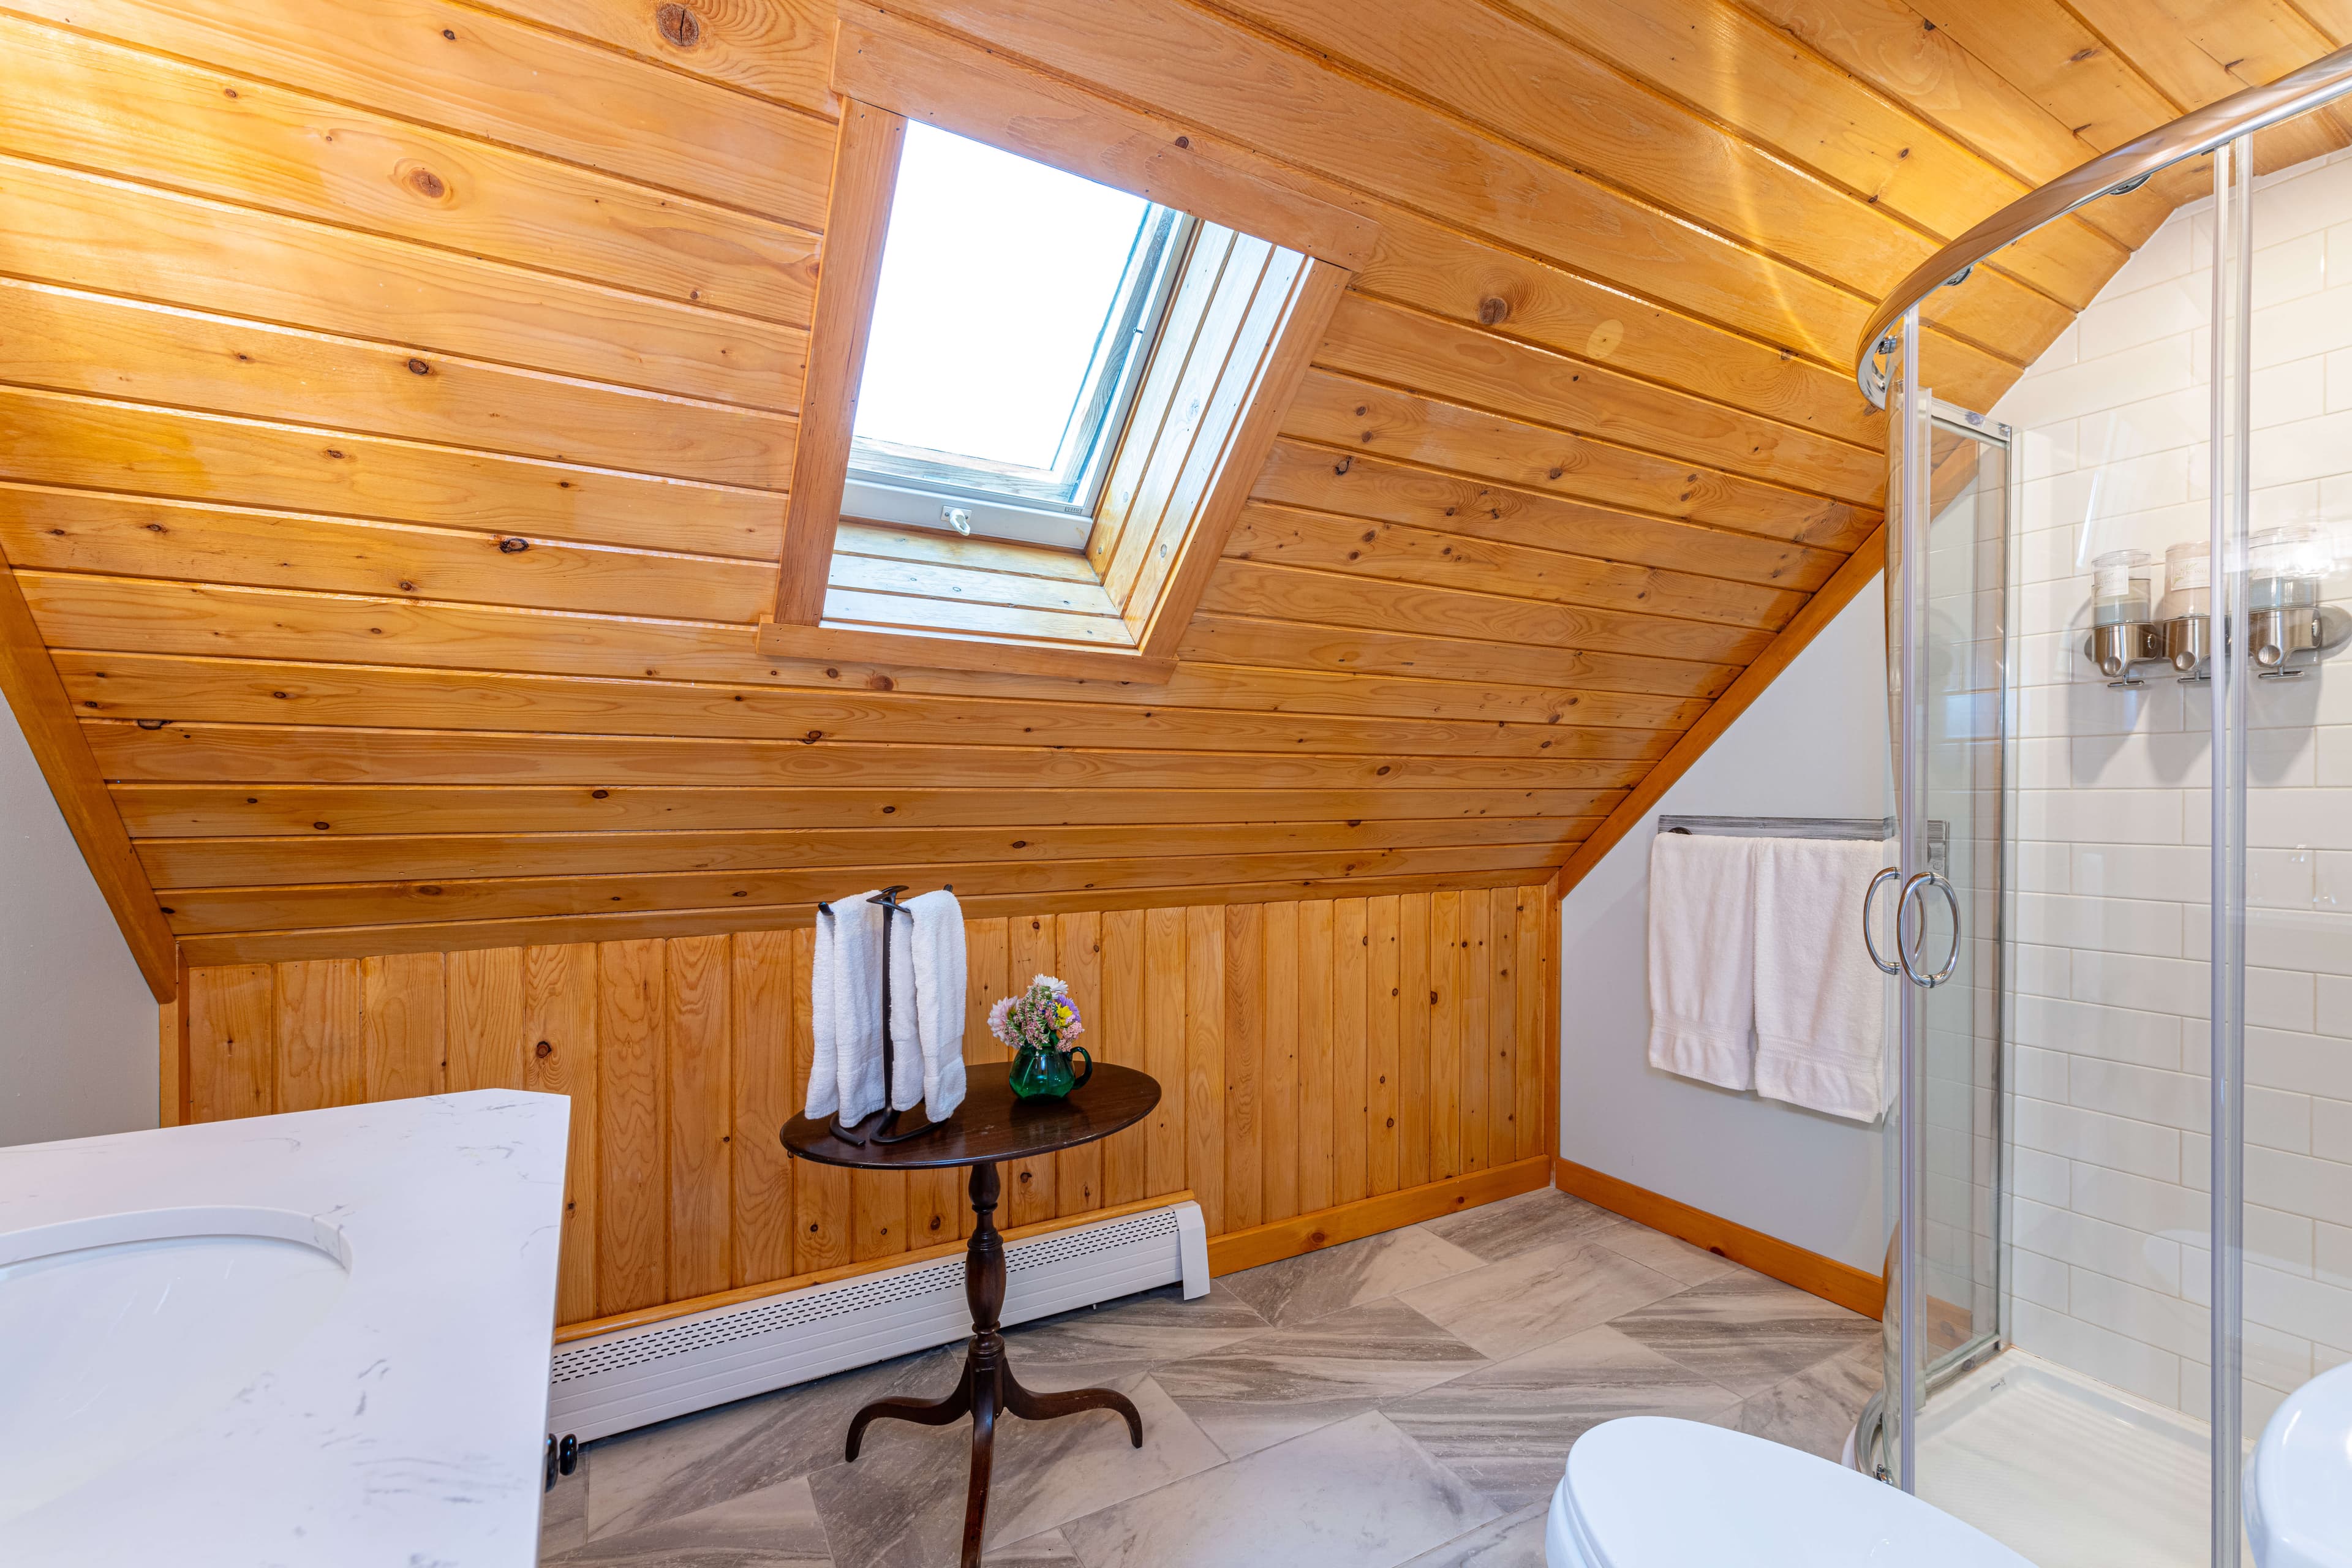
pixel 633 1377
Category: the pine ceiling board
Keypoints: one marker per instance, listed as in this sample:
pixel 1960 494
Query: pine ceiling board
pixel 1158 860
pixel 1243 640
pixel 1924 69
pixel 1432 268
pixel 67 340
pixel 64 227
pixel 1190 66
pixel 86 532
pixel 1327 598
pixel 181 864
pixel 140 686
pixel 1731 64
pixel 776 48
pixel 462 936
pixel 234 139
pixel 1523 84
pixel 67 440
pixel 2198 51
pixel 1326 479
pixel 183 751
pixel 1335 411
pixel 447 65
pixel 1372 340
pixel 190 812
pixel 1400 553
pixel 1459 680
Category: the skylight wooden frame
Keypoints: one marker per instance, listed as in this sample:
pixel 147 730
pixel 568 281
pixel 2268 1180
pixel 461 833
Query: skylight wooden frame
pixel 1267 267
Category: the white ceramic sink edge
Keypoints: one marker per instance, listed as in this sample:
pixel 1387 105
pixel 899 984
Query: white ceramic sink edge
pixel 321 1337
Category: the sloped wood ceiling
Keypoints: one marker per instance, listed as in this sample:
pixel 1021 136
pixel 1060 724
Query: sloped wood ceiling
pixel 400 394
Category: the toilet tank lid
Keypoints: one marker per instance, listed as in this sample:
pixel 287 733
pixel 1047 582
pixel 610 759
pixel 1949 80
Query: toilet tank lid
pixel 1645 1490
pixel 2299 1487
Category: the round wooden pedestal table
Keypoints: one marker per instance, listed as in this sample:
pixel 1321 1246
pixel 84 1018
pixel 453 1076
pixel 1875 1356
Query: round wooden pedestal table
pixel 991 1125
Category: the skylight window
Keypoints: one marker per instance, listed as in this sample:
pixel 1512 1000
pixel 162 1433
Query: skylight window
pixel 1015 309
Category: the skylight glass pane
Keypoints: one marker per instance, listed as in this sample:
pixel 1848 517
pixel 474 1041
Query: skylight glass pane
pixel 997 278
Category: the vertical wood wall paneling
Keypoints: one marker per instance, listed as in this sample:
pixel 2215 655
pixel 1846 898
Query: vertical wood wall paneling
pixel 1028 1183
pixel 1279 1134
pixel 320 1057
pixel 559 1008
pixel 1310 1055
pixel 1204 1061
pixel 1244 1106
pixel 403 1025
pixel 700 1096
pixel 1317 1189
pixel 765 1097
pixel 1350 968
pixel 1380 1044
pixel 1415 1009
pixel 633 1175
pixel 486 1045
pixel 1079 1173
pixel 822 1196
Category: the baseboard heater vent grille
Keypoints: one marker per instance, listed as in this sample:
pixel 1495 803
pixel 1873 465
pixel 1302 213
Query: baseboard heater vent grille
pixel 633 1377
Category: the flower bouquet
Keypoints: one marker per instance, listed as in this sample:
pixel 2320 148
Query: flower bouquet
pixel 1037 1027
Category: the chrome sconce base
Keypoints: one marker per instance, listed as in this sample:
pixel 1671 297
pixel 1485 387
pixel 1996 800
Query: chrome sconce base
pixel 2285 644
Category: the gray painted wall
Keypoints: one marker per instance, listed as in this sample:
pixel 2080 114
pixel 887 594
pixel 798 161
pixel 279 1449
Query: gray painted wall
pixel 77 1022
pixel 1813 745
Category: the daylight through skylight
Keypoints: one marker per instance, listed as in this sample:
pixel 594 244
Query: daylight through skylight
pixel 998 279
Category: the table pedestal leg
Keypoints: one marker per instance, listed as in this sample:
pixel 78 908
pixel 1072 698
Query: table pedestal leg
pixel 988 1385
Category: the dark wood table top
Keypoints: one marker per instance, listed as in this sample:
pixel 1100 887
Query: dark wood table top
pixel 993 1124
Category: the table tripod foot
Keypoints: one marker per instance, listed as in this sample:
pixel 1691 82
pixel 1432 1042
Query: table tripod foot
pixel 921 1411
pixel 1030 1406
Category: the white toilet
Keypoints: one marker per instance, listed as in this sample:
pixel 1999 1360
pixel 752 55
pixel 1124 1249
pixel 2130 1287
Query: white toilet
pixel 1650 1492
pixel 1647 1491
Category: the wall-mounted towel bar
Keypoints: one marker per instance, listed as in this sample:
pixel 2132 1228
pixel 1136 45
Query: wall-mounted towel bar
pixel 1939 833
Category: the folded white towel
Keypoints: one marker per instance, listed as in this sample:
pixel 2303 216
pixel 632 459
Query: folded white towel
pixel 857 1005
pixel 1703 956
pixel 1821 1018
pixel 938 953
pixel 823 1084
pixel 906 1041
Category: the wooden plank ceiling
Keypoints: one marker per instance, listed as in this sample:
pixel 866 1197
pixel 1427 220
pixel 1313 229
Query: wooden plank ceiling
pixel 397 409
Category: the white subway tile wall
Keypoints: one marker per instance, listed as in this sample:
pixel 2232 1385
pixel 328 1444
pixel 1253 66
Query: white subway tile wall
pixel 2110 921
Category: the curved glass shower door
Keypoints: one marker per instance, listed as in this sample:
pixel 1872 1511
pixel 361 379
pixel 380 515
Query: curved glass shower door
pixel 1938 919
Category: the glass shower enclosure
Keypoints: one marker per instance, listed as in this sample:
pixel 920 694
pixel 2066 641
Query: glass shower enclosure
pixel 2120 1142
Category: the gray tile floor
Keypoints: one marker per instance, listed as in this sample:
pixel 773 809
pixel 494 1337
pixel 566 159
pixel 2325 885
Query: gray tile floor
pixel 1402 1402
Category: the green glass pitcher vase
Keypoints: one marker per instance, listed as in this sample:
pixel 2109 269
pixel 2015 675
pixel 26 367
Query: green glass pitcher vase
pixel 1041 1074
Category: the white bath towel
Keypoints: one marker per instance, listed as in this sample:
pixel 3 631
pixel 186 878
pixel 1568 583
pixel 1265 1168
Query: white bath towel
pixel 1703 956
pixel 857 1005
pixel 937 953
pixel 825 1082
pixel 1821 1019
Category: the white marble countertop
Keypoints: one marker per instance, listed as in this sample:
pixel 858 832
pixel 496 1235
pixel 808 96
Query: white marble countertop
pixel 404 1424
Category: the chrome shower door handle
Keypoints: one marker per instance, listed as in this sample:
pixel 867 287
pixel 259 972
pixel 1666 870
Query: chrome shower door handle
pixel 1904 942
pixel 1870 942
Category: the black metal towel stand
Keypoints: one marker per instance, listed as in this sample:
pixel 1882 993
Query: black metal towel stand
pixel 885 1130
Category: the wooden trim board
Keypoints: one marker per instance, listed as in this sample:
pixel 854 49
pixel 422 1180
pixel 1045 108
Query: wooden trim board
pixel 1307 1233
pixel 1860 568
pixel 36 695
pixel 858 644
pixel 1848 1286
pixel 864 175
pixel 885 59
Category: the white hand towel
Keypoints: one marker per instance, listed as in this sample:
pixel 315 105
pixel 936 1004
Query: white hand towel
pixel 857 1005
pixel 939 976
pixel 1703 956
pixel 905 1042
pixel 823 1084
pixel 1821 1019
